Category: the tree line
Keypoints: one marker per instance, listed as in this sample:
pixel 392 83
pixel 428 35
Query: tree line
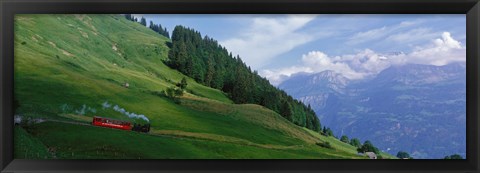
pixel 367 146
pixel 155 27
pixel 208 63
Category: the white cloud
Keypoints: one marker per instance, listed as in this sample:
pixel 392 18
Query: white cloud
pixel 373 34
pixel 319 61
pixel 267 38
pixel 356 66
pixel 440 51
pixel 277 76
pixel 379 33
pixel 414 35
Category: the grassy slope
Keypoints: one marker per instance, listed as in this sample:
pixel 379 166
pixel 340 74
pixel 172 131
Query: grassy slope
pixel 344 146
pixel 85 60
pixel 131 145
pixel 27 146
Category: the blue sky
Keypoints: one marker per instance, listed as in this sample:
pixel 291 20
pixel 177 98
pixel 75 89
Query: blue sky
pixel 357 46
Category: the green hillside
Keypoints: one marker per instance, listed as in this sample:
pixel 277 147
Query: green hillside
pixel 69 68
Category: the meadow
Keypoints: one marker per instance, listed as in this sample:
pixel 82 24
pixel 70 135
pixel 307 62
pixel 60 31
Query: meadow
pixel 66 75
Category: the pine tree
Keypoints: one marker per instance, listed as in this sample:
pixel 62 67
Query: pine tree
pixel 152 26
pixel 165 33
pixel 210 72
pixel 355 142
pixel 344 138
pixel 143 21
pixel 128 17
pixel 182 58
pixel 211 64
pixel 182 84
pixel 286 111
pixel 368 147
pixel 403 155
pixel 329 132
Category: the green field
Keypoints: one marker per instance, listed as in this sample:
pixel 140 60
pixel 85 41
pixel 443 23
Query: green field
pixel 68 66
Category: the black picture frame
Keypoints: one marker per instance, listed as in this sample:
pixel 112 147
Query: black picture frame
pixel 8 8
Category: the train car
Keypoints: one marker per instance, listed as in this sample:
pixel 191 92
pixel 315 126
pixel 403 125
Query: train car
pixel 111 123
pixel 141 128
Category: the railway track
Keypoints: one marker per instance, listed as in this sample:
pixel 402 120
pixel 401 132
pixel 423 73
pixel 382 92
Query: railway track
pixel 178 137
pixel 89 124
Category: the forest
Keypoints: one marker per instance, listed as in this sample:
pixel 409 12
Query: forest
pixel 206 61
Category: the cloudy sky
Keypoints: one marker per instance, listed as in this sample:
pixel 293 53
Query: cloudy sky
pixel 356 46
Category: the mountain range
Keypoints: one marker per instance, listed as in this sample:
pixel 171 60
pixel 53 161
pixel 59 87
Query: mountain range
pixel 416 108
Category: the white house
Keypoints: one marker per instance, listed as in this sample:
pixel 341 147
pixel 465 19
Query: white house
pixel 371 155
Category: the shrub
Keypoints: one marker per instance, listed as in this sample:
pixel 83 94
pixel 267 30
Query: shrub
pixel 455 156
pixel 173 93
pixel 403 155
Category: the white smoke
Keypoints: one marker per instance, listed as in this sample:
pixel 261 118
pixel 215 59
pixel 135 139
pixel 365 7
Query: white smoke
pixel 17 119
pixel 105 105
pixel 130 114
pixel 65 108
pixel 81 111
pixel 93 110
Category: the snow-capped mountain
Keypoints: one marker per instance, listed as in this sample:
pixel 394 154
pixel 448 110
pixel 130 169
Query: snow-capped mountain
pixel 415 108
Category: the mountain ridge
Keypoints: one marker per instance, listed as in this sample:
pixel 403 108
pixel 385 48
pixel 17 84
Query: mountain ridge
pixel 423 93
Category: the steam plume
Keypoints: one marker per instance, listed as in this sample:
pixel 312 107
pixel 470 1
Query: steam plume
pixel 130 114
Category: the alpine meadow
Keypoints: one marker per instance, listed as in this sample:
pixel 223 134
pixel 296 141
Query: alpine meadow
pixel 70 68
pixel 126 86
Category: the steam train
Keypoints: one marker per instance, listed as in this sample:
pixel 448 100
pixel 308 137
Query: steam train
pixel 119 124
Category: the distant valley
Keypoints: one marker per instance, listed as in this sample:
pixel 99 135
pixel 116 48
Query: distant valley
pixel 415 108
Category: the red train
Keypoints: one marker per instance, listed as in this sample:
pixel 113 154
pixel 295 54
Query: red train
pixel 119 124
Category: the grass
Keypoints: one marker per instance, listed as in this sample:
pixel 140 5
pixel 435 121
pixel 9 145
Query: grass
pixel 342 145
pixel 118 144
pixel 70 72
pixel 27 146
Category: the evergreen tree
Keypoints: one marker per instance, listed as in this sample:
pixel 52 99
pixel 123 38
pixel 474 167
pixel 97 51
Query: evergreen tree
pixel 129 17
pixel 355 142
pixel 286 111
pixel 240 86
pixel 368 147
pixel 403 155
pixel 210 64
pixel 165 33
pixel 181 57
pixel 183 83
pixel 143 21
pixel 344 138
pixel 152 26
pixel 329 132
pixel 210 72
